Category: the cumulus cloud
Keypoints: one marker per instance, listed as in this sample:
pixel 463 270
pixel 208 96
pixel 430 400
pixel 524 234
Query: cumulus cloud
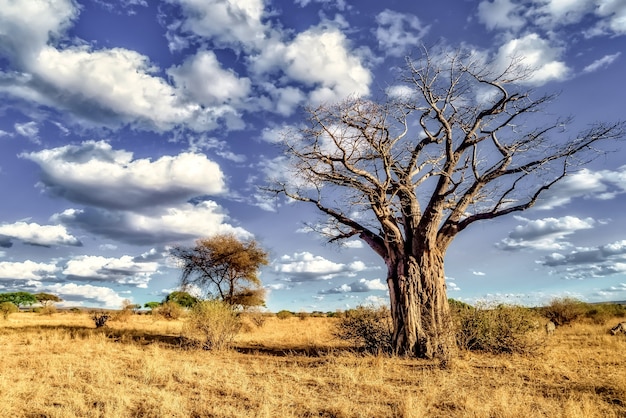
pixel 93 173
pixel 602 185
pixel 123 270
pixel 86 293
pixel 35 234
pixel 537 54
pixel 589 262
pixel 202 78
pixel 304 266
pixel 544 234
pixel 27 270
pixel 234 24
pixel 397 32
pixel 359 286
pixel 160 225
pixel 500 14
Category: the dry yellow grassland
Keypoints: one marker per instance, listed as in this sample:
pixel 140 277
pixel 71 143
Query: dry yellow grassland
pixel 60 366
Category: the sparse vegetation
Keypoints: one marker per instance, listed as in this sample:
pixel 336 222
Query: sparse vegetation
pixel 563 311
pixel 498 329
pixel 291 368
pixel 368 327
pixel 213 324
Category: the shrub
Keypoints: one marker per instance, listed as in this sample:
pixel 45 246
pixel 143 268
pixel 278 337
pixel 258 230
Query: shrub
pixel 257 317
pixel 284 314
pixel 602 313
pixel 501 329
pixel 368 327
pixel 563 311
pixel 212 323
pixel 169 310
pixel 7 308
pixel 47 310
pixel 100 319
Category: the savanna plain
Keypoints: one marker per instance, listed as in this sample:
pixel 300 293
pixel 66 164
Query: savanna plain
pixel 61 365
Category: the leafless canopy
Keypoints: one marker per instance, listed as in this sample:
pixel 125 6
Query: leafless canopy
pixel 461 141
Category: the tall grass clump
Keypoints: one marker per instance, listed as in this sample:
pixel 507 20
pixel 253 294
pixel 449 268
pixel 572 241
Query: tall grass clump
pixel 367 327
pixel 213 324
pixel 499 329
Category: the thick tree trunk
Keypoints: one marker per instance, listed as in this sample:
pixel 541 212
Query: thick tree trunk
pixel 419 307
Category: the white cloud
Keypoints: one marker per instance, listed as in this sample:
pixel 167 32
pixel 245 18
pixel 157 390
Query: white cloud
pixel 304 266
pixel 500 14
pixel 354 243
pixel 26 25
pixel 35 234
pixel 95 174
pixel 359 286
pixel 397 32
pixel 235 24
pixel 72 292
pixel 478 273
pixel 26 270
pixel 601 63
pixel 160 225
pixel 603 185
pixel 544 234
pixel 202 78
pixel 123 270
pixel 538 55
pixel 29 130
pixel 613 13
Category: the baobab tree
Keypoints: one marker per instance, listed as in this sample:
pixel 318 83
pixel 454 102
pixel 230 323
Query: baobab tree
pixel 462 141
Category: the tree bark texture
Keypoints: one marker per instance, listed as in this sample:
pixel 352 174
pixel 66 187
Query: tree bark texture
pixel 419 306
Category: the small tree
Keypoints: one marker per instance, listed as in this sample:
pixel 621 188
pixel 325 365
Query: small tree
pixel 7 308
pixel 47 299
pixel 181 298
pixel 151 305
pixel 19 299
pixel 224 267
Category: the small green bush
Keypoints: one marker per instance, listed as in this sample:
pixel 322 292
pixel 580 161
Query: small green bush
pixel 500 329
pixel 367 327
pixel 563 311
pixel 212 323
pixel 169 310
pixel 284 314
pixel 7 308
pixel 602 313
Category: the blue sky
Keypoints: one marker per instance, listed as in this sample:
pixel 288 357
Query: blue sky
pixel 130 126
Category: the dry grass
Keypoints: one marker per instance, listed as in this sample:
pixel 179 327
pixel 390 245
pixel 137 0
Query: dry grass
pixel 60 366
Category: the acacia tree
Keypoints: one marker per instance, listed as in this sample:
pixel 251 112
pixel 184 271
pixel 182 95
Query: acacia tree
pixel 406 174
pixel 47 299
pixel 224 267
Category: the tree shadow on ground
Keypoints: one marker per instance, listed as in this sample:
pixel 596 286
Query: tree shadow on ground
pixel 143 337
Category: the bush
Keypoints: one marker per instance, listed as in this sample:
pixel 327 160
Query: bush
pixel 212 323
pixel 563 311
pixel 502 329
pixel 169 310
pixel 100 319
pixel 257 317
pixel 47 310
pixel 284 314
pixel 368 327
pixel 7 308
pixel 602 313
